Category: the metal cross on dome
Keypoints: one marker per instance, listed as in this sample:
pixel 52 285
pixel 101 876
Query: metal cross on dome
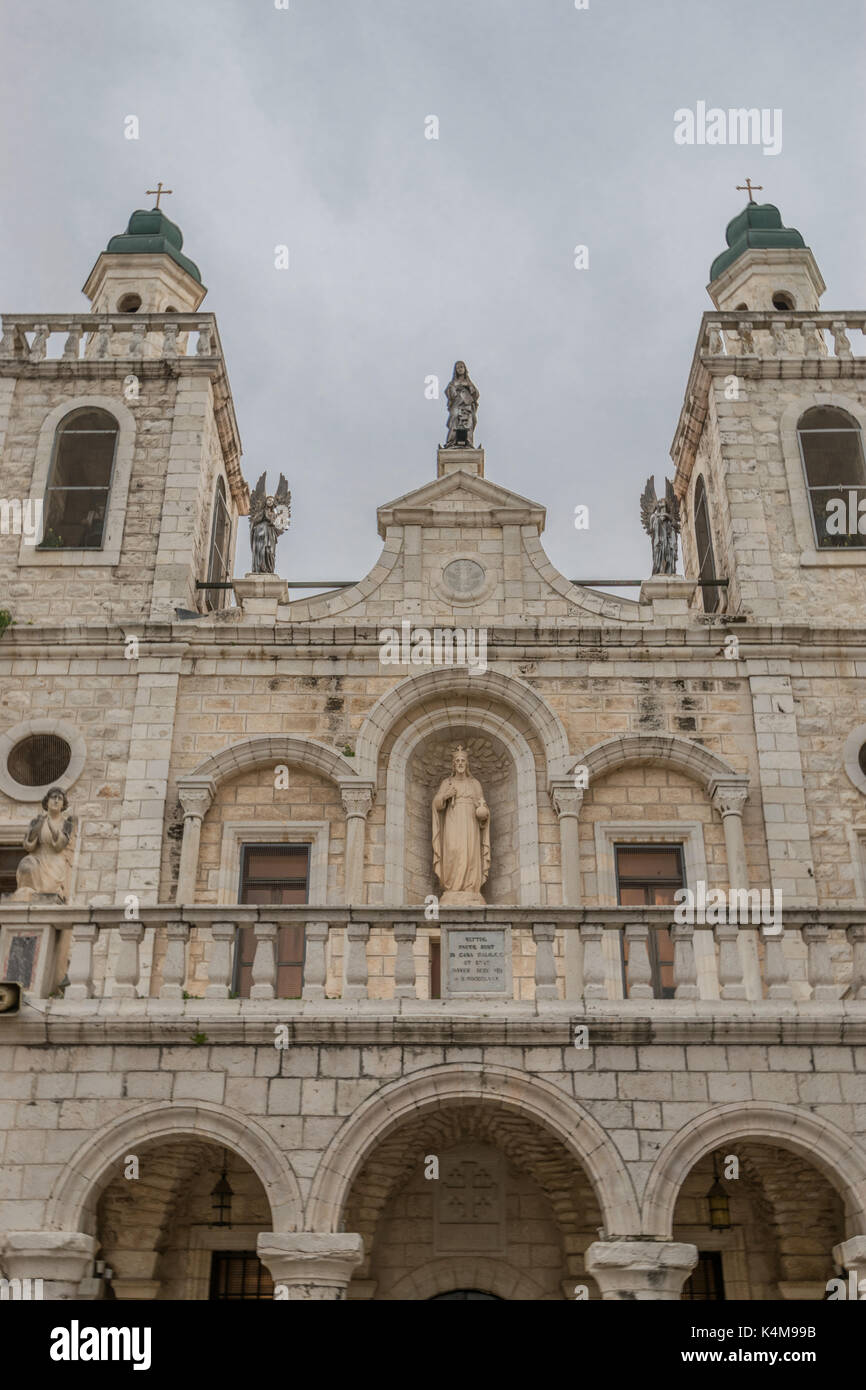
pixel 750 188
pixel 159 190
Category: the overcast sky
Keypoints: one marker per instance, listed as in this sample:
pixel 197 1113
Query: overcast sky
pixel 306 127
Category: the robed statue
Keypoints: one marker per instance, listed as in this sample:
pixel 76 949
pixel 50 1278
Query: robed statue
pixel 462 397
pixel 269 518
pixel 44 870
pixel 661 521
pixel 461 835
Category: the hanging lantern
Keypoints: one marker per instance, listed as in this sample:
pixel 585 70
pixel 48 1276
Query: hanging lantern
pixel 221 1198
pixel 717 1197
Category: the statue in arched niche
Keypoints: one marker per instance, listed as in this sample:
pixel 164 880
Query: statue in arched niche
pixel 461 835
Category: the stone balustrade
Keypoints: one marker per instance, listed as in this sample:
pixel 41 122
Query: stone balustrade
pixel 65 338
pixel 783 334
pixel 383 954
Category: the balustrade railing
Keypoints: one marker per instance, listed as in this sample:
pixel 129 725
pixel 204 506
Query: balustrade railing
pixel 783 334
pixel 517 954
pixel 35 338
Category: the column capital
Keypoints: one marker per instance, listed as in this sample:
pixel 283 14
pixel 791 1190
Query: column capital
pixel 729 795
pixel 60 1258
pixel 357 798
pixel 309 1264
pixel 640 1269
pixel 565 797
pixel 196 795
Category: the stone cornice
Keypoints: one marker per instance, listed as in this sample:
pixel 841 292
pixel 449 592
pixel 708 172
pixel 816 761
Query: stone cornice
pixel 414 1022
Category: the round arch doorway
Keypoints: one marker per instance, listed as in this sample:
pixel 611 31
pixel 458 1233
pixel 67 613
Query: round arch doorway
pixel 463 1295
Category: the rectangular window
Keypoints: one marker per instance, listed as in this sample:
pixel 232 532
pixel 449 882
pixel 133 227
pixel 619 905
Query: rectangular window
pixel 273 874
pixel 239 1274
pixel 705 1283
pixel 648 876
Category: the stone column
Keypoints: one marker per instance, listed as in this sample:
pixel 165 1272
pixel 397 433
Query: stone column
pixel 307 1265
pixel 567 801
pixel 196 795
pixel 59 1258
pixel 851 1256
pixel 729 797
pixel 357 800
pixel 640 1269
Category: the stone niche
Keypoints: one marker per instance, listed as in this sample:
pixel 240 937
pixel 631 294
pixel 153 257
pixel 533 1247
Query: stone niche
pixel 491 762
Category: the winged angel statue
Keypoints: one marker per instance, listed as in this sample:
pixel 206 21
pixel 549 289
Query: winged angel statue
pixel 661 521
pixel 269 518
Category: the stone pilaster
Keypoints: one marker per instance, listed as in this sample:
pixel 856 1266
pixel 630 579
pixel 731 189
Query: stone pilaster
pixel 782 787
pixel 851 1256
pixel 196 795
pixel 357 801
pixel 307 1265
pixel 567 801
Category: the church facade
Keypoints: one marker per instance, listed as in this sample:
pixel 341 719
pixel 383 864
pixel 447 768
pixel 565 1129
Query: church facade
pixel 462 932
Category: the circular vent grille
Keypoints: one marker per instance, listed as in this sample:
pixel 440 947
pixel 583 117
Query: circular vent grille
pixel 39 760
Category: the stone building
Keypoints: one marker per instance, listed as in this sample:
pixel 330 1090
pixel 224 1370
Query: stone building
pixel 253 1049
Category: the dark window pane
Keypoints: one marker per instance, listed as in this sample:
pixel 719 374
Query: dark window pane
pixel 10 858
pixel 705 1283
pixel 239 1274
pixel 39 759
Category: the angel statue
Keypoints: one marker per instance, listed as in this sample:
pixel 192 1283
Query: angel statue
pixel 462 397
pixel 661 521
pixel 269 518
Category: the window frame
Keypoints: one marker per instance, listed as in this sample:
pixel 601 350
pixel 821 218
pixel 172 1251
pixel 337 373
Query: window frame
pixel 856 542
pixel 115 515
pixel 243 938
pixel 810 555
pixel 710 597
pixel 652 940
pixel 64 428
pixel 214 600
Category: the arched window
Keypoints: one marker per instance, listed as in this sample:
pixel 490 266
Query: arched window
pixel 831 447
pixel 218 562
pixel 79 481
pixel 704 547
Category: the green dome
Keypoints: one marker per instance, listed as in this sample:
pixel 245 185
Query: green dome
pixel 759 224
pixel 151 232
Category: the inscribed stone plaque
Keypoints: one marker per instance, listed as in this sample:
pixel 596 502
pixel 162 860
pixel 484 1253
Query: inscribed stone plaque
pixel 21 959
pixel 477 961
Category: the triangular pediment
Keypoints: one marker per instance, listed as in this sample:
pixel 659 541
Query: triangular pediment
pixel 477 501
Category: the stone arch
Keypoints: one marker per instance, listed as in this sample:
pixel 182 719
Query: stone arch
pixel 73 1203
pixel 682 754
pixel 396 794
pixel 465 691
pixel 468 1272
pixel 822 1143
pixel 273 748
pixel 385 1111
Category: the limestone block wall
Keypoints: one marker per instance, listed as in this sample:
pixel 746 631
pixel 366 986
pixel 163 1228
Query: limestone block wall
pixel 64 593
pixel 64 1100
pixel 764 521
